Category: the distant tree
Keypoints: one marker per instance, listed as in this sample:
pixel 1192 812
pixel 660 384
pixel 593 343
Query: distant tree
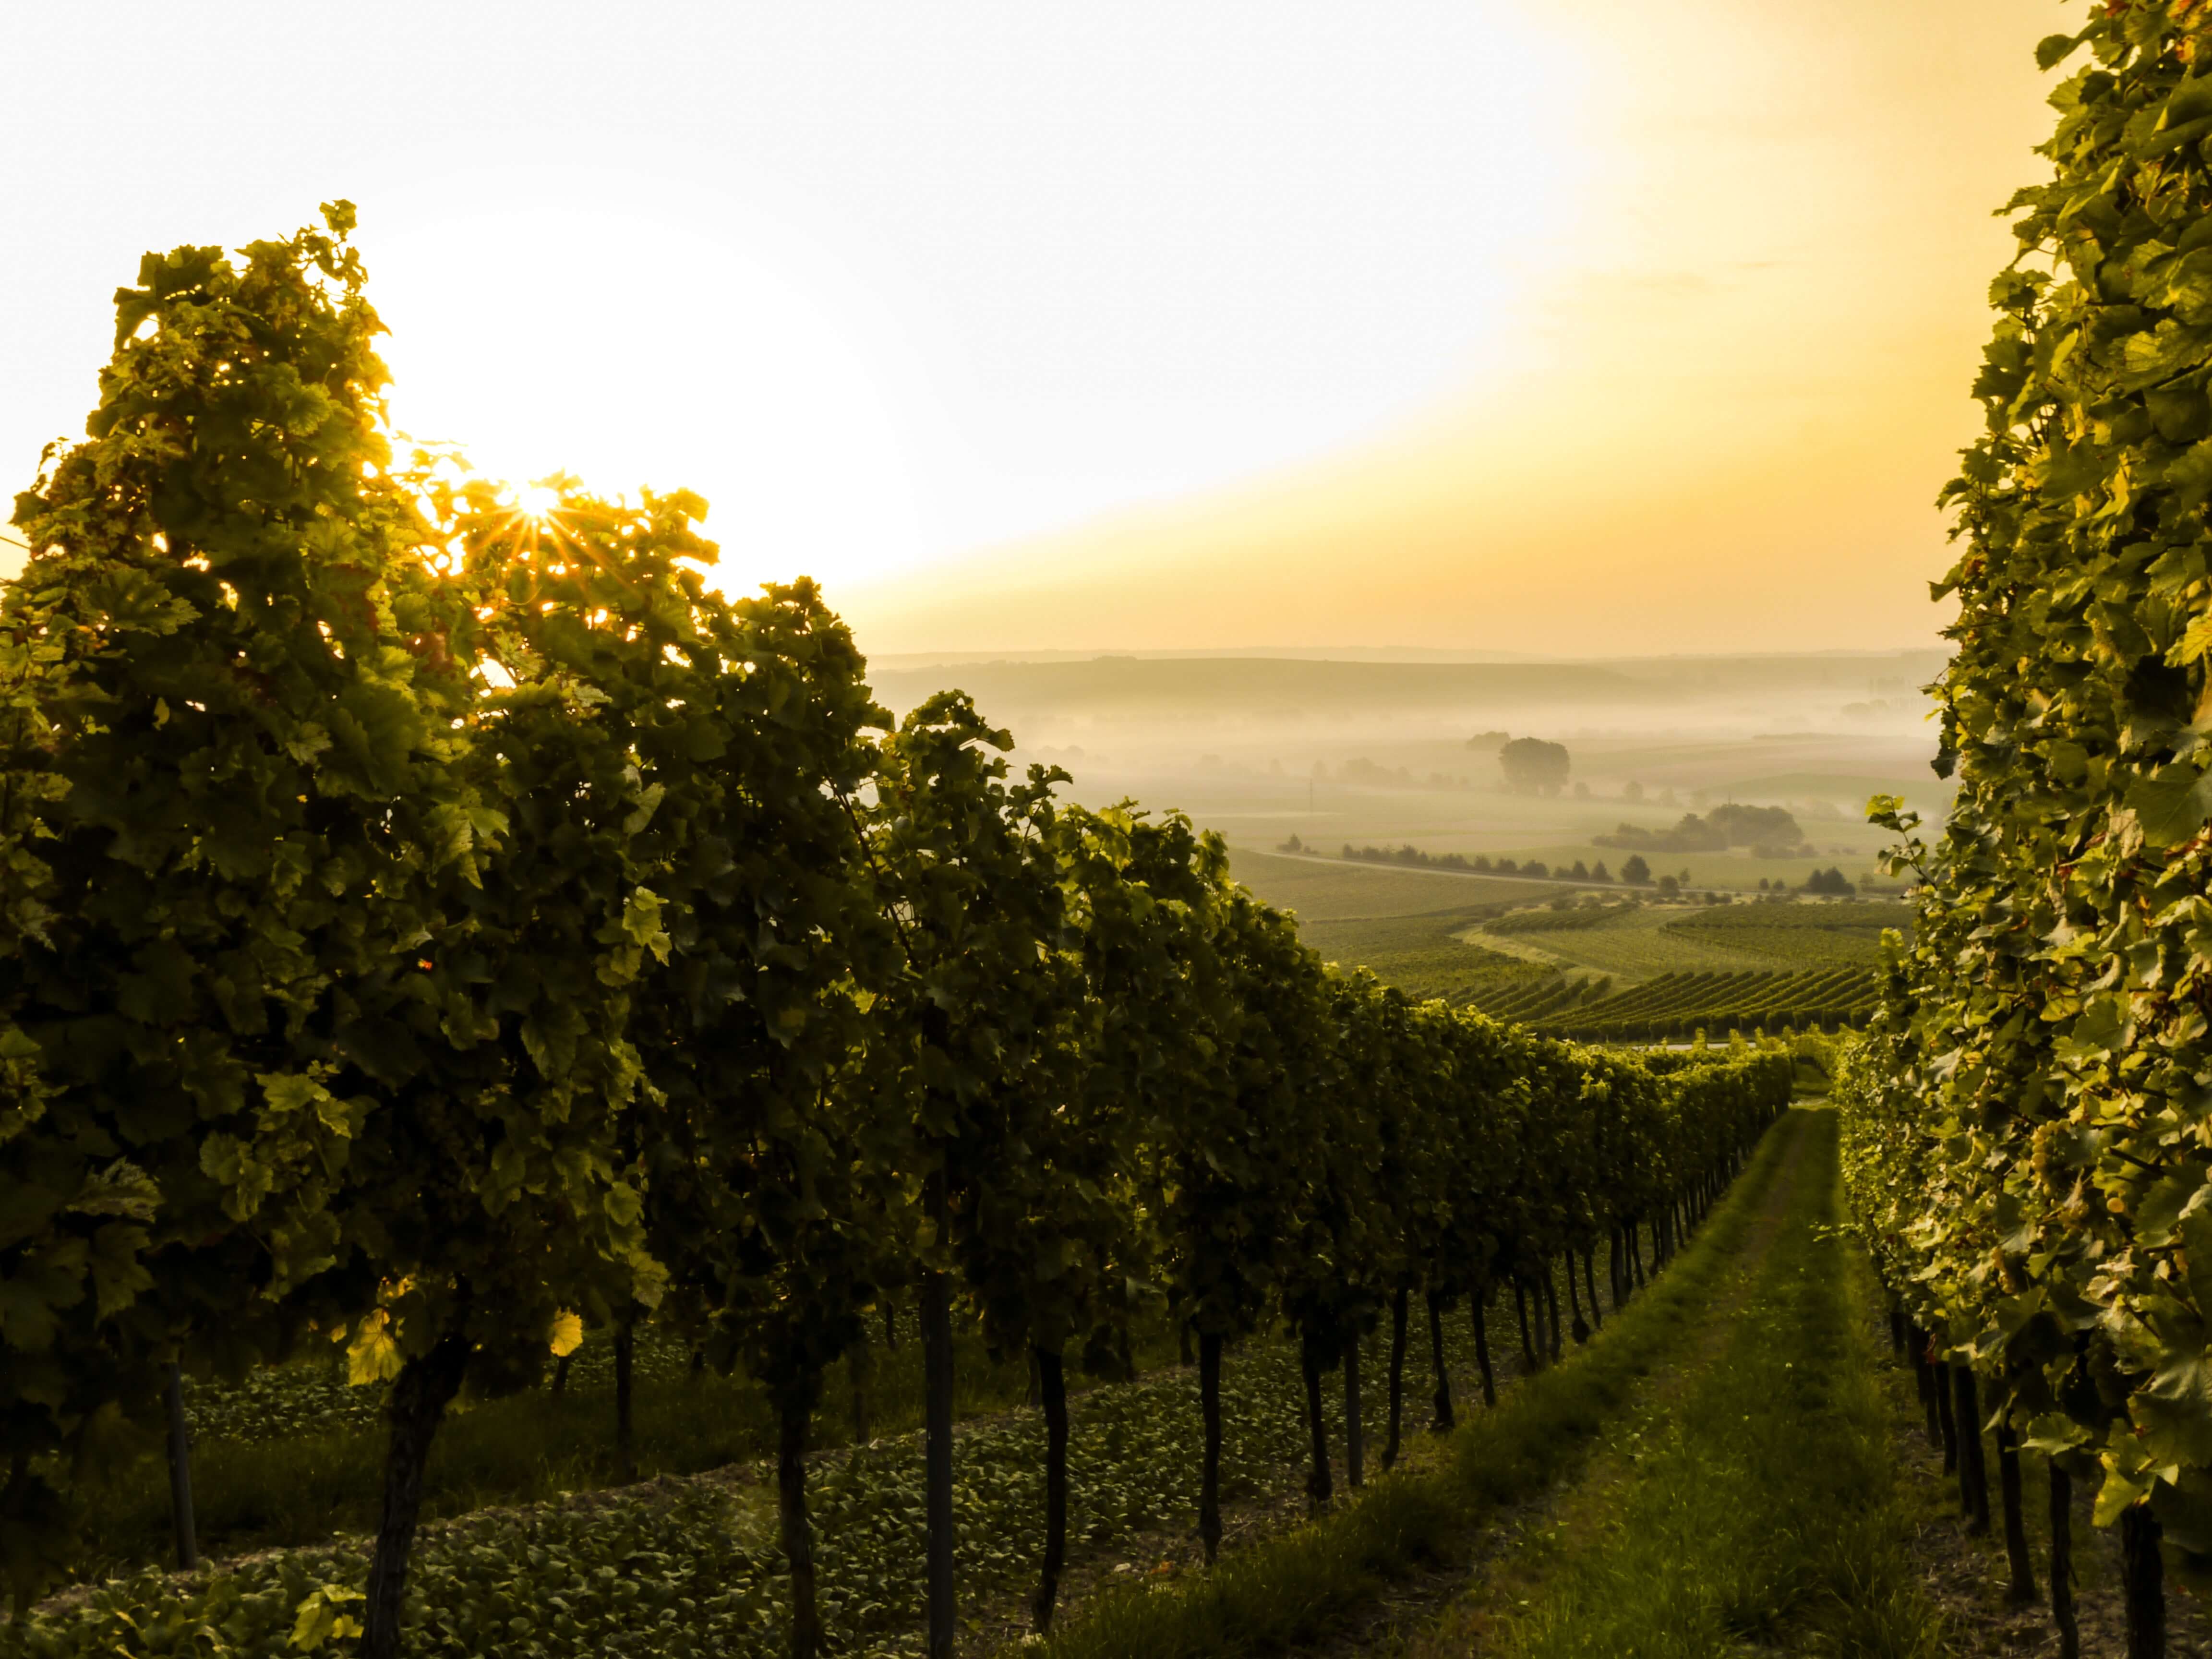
pixel 1832 881
pixel 1668 887
pixel 1480 862
pixel 1490 742
pixel 1599 873
pixel 1532 766
pixel 1635 872
pixel 1535 867
pixel 1580 872
pixel 1581 792
pixel 1631 790
pixel 1755 826
pixel 1505 867
pixel 1692 835
pixel 1294 845
pixel 1361 770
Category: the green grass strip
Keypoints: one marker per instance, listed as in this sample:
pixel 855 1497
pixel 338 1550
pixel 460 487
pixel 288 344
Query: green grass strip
pixel 1300 1585
pixel 1762 1511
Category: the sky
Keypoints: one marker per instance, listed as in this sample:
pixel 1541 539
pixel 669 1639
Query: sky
pixel 1641 325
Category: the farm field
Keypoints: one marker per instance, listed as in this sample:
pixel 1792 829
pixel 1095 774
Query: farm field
pixel 1318 890
pixel 1606 968
pixel 1625 942
pixel 1632 973
pixel 1428 955
pixel 1331 785
pixel 1674 1005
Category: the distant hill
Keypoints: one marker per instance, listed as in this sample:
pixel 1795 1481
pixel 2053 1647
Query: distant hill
pixel 1282 688
pixel 1274 686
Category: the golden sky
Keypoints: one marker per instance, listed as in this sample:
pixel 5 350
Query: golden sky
pixel 1731 394
pixel 1643 326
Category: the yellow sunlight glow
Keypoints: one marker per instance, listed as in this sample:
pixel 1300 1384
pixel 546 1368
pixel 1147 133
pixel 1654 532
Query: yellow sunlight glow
pixel 661 358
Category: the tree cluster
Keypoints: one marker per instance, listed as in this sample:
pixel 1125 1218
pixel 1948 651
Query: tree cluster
pixel 1479 864
pixel 1769 831
pixel 1534 767
pixel 436 929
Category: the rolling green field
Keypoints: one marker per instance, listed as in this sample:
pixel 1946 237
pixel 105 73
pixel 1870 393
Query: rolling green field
pixel 1679 1005
pixel 1331 889
pixel 1627 942
pixel 1638 942
pixel 1611 968
pixel 1425 957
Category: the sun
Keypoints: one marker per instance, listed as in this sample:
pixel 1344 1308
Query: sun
pixel 537 502
pixel 730 359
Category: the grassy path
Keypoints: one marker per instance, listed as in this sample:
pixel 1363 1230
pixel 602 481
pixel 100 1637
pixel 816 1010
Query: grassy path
pixel 1405 1544
pixel 1748 1500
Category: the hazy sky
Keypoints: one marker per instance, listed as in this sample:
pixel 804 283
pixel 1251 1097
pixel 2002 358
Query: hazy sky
pixel 1644 325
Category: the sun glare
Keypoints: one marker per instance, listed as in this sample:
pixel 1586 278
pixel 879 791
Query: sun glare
pixel 702 367
pixel 537 502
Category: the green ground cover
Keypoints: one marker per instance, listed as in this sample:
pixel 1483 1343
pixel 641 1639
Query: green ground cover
pixel 676 1565
pixel 293 1455
pixel 694 1567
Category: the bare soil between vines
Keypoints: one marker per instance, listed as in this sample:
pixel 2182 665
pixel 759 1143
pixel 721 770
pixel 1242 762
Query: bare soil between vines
pixel 1968 1576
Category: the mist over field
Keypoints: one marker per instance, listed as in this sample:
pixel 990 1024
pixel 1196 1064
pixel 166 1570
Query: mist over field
pixel 1372 752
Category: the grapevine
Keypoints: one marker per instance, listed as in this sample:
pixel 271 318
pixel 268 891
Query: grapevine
pixel 436 931
pixel 2028 1132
